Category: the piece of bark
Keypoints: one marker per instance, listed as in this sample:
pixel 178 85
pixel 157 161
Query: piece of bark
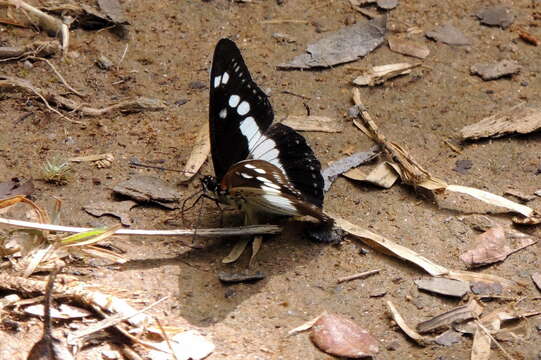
pixel 448 338
pixel 449 35
pixel 382 175
pixel 519 119
pixel 148 189
pixel 232 278
pixel 339 336
pixel 443 286
pixel 536 277
pixel 345 45
pixel 493 71
pixel 496 16
pixel 483 288
pixel 408 47
pixel 465 312
pixel 331 172
pixel 120 209
pixel 37 49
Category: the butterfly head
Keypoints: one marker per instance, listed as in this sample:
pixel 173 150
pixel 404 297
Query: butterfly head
pixel 209 184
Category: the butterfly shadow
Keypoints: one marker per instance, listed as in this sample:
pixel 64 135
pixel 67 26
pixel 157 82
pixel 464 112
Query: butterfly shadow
pixel 203 299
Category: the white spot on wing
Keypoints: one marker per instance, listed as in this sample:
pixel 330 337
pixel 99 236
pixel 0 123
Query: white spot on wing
pixel 280 203
pixel 246 176
pixel 234 100
pixel 225 78
pixel 223 113
pixel 217 80
pixel 248 128
pixel 260 171
pixel 271 186
pixel 263 179
pixel 243 108
pixel 249 166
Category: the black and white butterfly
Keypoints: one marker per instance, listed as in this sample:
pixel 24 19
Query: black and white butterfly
pixel 260 167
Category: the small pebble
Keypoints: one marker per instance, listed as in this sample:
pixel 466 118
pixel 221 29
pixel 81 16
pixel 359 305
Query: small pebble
pixel 197 85
pixel 104 63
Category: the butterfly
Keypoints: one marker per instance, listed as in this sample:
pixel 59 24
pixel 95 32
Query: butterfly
pixel 260 167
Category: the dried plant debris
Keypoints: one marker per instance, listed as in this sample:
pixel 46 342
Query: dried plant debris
pixel 519 119
pixel 463 166
pixel 496 16
pixel 483 288
pixel 120 209
pixel 536 278
pixel 313 123
pixel 229 277
pixel 444 286
pixel 338 167
pixel 379 74
pixel 283 37
pixel 104 160
pixel 448 338
pixel 492 71
pixel 14 187
pixel 383 175
pixel 188 345
pixel 528 37
pixel 145 188
pixel 449 35
pixel 345 45
pixel 49 347
pixel 199 154
pixel 339 336
pixel 457 315
pixel 408 47
pixel 494 245
pixel 408 330
pixel 387 4
pixel 36 49
pixel 524 198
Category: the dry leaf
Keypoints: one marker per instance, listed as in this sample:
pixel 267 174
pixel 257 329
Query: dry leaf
pixel 444 286
pixel 383 175
pixel 536 277
pixel 313 123
pixel 200 153
pixel 237 251
pixel 495 245
pixel 465 312
pixel 339 336
pixel 481 346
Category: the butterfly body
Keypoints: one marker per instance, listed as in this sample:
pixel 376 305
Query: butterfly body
pixel 260 167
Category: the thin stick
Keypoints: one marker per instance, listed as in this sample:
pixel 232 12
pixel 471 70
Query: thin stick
pixel 215 232
pixel 168 342
pixel 485 330
pixel 111 321
pixel 284 21
pixel 123 55
pixel 358 276
pixel 59 75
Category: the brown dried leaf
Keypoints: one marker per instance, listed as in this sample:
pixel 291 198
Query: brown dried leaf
pixel 200 153
pixel 337 335
pixel 414 335
pixel 313 123
pixel 495 245
pixel 470 310
pixel 383 175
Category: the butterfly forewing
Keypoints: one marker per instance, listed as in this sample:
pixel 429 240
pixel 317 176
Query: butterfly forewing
pixel 239 112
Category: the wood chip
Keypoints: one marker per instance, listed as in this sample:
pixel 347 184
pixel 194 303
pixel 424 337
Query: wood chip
pixel 331 172
pixel 520 119
pixel 313 123
pixel 145 188
pixel 449 35
pixel 228 277
pixel 379 74
pixel 536 277
pixel 408 47
pixel 444 286
pixel 496 16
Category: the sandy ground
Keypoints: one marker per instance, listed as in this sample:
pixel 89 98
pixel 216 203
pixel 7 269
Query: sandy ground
pixel 169 48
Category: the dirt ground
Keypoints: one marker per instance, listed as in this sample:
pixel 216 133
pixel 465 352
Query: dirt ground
pixel 169 50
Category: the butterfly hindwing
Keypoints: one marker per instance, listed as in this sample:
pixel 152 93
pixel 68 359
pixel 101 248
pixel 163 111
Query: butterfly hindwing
pixel 239 111
pixel 287 150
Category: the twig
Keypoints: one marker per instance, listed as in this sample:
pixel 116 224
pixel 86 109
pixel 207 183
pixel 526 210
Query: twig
pixel 284 21
pixel 6 81
pixel 167 341
pixel 59 75
pixel 123 55
pixel 216 232
pixel 109 321
pixel 358 276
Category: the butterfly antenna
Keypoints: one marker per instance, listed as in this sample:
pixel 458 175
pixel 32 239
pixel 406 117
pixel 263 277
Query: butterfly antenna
pixel 136 163
pixel 198 219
